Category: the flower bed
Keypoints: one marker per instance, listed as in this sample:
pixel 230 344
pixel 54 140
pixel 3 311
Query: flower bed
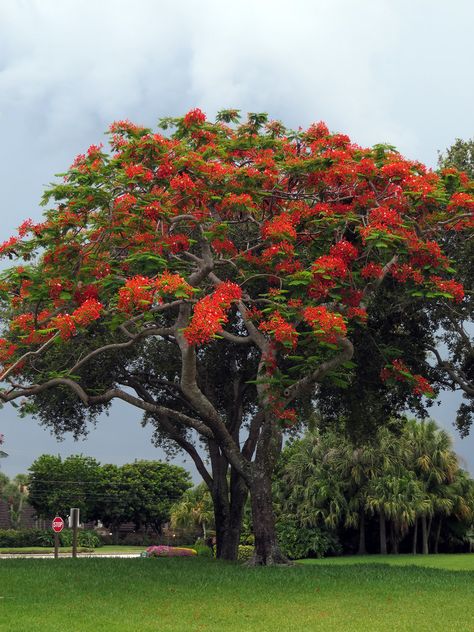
pixel 169 551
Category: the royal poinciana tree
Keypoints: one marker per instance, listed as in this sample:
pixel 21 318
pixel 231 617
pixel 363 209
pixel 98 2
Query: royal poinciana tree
pixel 257 244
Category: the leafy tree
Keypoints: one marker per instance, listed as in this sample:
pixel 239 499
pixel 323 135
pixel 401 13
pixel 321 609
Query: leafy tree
pixel 145 491
pixel 56 485
pixel 273 240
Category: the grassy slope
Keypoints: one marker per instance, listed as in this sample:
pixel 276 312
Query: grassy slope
pixel 198 595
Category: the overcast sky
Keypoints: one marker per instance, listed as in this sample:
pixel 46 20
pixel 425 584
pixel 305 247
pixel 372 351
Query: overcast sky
pixel 379 70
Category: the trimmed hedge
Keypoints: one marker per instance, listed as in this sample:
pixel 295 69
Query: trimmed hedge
pixel 17 538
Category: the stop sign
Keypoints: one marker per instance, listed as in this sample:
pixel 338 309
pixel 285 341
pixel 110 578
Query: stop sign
pixel 58 524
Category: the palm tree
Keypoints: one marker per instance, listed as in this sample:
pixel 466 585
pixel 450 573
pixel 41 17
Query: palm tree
pixel 195 509
pixel 15 493
pixel 435 464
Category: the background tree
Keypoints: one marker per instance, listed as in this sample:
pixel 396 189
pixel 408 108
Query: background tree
pixel 405 475
pixel 195 509
pixel 277 241
pixel 456 358
pixel 56 485
pixel 15 493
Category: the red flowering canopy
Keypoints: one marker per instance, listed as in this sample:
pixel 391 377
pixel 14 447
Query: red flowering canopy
pixel 248 231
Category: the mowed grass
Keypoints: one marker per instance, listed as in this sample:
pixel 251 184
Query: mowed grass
pixel 451 562
pixel 197 595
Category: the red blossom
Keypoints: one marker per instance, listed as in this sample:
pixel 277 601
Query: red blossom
pixel 88 312
pixel 333 267
pixel 344 250
pixel 194 117
pixel 326 325
pixel 372 270
pixel 449 286
pixel 279 228
pixel 137 294
pixel 177 243
pixel 210 313
pixel 281 330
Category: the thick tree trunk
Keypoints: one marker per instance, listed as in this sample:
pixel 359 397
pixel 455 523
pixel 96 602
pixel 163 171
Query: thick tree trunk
pixel 382 533
pixel 228 511
pixel 415 537
pixel 437 535
pixel 394 537
pixel 267 551
pixel 424 534
pixel 362 548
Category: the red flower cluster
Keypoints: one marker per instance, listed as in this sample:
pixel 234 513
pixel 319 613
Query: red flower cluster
pixel 138 171
pixel 65 324
pixel 224 246
pixel 427 253
pixel 281 330
pixel 173 284
pixel 85 293
pixel 7 349
pixel 211 313
pixel 182 182
pixel 278 228
pixel 330 266
pixel 194 117
pixel 88 312
pixel 137 294
pixel 344 250
pixel 177 243
pixel 405 272
pixel 449 286
pixel 399 372
pixel 384 217
pixel 326 325
pixel 372 270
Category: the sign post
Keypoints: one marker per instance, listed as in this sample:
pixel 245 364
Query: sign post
pixel 58 526
pixel 74 520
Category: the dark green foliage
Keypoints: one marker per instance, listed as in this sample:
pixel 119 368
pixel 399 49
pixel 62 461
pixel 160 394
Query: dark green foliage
pixel 142 492
pixel 45 537
pixel 298 541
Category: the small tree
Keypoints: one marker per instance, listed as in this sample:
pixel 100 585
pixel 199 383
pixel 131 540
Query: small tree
pixel 273 240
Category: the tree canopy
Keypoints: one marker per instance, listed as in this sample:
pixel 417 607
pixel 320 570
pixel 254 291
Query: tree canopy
pixel 269 240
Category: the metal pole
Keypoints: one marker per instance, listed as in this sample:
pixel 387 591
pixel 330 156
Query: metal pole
pixel 56 545
pixel 75 525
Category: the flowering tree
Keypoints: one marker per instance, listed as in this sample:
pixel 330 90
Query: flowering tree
pixel 264 239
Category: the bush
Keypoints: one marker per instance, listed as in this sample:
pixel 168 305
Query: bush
pixel 245 553
pixel 299 542
pixel 17 538
pixel 203 550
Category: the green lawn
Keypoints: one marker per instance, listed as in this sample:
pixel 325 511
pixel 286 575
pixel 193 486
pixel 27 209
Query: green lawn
pixel 459 562
pixel 202 595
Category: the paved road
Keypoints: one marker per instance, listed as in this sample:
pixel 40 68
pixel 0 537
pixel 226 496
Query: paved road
pixel 50 556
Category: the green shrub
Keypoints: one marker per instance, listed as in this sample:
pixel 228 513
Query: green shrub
pixel 203 550
pixel 17 538
pixel 298 542
pixel 245 553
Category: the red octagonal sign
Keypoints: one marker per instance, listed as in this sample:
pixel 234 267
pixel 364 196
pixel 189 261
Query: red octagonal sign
pixel 58 524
